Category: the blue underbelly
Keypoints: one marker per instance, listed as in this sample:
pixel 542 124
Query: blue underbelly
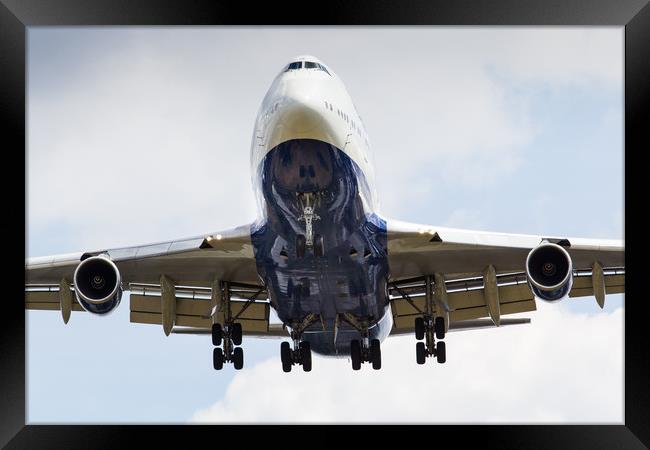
pixel 348 273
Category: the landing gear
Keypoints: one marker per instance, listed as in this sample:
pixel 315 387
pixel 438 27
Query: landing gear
pixel 360 353
pixel 428 329
pixel 364 349
pixel 226 336
pixel 301 351
pixel 317 246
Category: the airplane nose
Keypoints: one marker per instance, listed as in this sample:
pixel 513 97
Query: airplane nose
pixel 301 114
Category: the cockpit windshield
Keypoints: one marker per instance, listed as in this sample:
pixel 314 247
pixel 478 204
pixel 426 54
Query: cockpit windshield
pixel 294 66
pixel 306 65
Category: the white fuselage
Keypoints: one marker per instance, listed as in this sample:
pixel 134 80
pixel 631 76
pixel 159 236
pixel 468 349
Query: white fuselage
pixel 312 104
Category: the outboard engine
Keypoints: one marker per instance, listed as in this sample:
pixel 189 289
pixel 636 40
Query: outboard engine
pixel 98 285
pixel 550 271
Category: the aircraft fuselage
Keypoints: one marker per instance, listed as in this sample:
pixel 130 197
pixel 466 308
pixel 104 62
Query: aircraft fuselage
pixel 320 246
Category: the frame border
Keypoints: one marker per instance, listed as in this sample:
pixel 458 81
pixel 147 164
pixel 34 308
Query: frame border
pixel 17 15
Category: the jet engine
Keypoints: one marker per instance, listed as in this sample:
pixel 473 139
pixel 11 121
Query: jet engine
pixel 98 285
pixel 550 271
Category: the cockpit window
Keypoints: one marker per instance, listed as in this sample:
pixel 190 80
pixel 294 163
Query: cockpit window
pixel 294 66
pixel 306 65
pixel 322 67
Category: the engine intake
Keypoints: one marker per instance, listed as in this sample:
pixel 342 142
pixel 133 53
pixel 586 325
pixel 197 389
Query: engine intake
pixel 550 271
pixel 98 285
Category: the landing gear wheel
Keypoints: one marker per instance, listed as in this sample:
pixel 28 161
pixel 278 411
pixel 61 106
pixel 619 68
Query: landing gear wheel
pixel 419 328
pixel 441 352
pixel 217 358
pixel 236 333
pixel 440 327
pixel 355 354
pixel 305 355
pixel 217 334
pixel 420 353
pixel 285 356
pixel 319 248
pixel 375 354
pixel 301 244
pixel 238 358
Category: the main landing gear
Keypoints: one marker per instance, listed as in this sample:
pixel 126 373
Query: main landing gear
pixel 364 349
pixel 230 335
pixel 226 333
pixel 301 352
pixel 428 329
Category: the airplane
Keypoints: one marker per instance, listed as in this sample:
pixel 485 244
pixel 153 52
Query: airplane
pixel 340 277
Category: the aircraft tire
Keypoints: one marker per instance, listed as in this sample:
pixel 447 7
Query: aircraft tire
pixel 441 352
pixel 375 354
pixel 217 334
pixel 238 358
pixel 305 354
pixel 355 354
pixel 236 333
pixel 285 356
pixel 419 328
pixel 440 327
pixel 217 358
pixel 420 353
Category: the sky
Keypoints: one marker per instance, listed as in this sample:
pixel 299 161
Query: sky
pixel 137 135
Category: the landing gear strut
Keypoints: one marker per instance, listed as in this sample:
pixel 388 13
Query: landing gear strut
pixel 227 336
pixel 309 239
pixel 301 352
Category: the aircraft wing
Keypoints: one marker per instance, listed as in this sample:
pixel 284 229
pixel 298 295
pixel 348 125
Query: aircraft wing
pixel 190 266
pixel 460 258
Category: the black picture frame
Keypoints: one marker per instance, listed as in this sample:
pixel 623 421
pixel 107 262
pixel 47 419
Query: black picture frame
pixel 17 15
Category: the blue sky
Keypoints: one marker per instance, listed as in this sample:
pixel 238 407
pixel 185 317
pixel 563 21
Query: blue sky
pixel 137 135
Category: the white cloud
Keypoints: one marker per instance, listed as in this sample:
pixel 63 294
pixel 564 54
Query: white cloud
pixel 564 367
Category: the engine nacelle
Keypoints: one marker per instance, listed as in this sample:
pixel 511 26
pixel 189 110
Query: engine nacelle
pixel 550 271
pixel 98 285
